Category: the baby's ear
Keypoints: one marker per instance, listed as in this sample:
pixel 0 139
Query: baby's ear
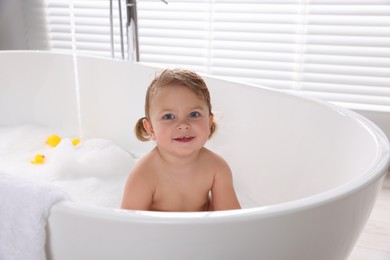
pixel 211 119
pixel 213 126
pixel 149 129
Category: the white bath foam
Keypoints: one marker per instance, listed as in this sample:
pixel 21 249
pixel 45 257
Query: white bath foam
pixel 93 172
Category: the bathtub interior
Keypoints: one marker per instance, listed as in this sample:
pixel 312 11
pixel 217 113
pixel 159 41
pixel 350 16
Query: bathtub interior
pixel 280 147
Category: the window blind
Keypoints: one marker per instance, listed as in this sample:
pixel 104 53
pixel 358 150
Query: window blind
pixel 91 20
pixel 336 50
pixel 347 55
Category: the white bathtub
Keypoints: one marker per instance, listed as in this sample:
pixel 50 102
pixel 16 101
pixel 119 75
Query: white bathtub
pixel 315 168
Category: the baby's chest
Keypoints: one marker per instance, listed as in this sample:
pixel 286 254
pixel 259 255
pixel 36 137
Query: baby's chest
pixel 183 195
pixel 189 189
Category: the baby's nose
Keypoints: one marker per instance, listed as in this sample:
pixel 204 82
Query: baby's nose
pixel 183 126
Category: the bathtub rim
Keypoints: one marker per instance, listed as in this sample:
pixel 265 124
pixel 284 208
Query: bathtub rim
pixel 373 173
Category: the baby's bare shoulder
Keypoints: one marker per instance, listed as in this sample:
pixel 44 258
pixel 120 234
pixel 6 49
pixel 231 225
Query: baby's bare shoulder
pixel 145 166
pixel 215 160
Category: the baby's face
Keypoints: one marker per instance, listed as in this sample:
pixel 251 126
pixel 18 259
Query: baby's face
pixel 180 120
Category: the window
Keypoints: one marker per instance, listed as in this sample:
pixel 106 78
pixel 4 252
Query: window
pixel 91 20
pixel 337 50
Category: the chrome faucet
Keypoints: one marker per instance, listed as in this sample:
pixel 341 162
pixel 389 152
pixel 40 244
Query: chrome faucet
pixel 131 30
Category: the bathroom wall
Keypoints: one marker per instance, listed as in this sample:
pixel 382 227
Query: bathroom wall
pixel 22 25
pixel 12 30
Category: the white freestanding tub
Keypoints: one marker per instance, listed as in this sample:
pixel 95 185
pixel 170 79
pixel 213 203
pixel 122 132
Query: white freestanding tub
pixel 316 169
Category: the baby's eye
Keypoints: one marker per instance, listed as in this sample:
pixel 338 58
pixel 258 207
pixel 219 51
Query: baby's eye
pixel 169 116
pixel 194 114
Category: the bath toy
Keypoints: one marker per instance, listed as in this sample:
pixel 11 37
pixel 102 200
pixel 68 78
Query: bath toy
pixel 53 140
pixel 38 159
pixel 75 141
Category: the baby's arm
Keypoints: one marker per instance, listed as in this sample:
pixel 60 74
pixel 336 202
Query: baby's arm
pixel 223 196
pixel 138 193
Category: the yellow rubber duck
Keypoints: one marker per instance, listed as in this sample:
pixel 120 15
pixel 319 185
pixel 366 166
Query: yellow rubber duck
pixel 38 159
pixel 75 141
pixel 53 140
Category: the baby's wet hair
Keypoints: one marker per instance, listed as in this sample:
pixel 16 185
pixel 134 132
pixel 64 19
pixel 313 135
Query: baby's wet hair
pixel 179 77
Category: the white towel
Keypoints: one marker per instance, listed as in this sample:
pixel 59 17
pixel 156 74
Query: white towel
pixel 24 208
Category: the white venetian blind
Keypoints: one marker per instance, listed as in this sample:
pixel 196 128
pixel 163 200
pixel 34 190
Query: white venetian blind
pixel 337 50
pixel 175 33
pixel 92 26
pixel 346 55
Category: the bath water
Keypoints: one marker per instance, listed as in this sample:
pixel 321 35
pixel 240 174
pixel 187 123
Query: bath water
pixel 75 67
pixel 93 172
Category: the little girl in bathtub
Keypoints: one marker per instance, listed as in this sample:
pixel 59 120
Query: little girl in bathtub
pixel 179 174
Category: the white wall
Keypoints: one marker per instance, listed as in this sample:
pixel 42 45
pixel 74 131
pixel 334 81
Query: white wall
pixel 22 25
pixel 12 29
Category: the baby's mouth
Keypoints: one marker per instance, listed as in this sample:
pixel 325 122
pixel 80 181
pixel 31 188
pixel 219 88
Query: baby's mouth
pixel 184 139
